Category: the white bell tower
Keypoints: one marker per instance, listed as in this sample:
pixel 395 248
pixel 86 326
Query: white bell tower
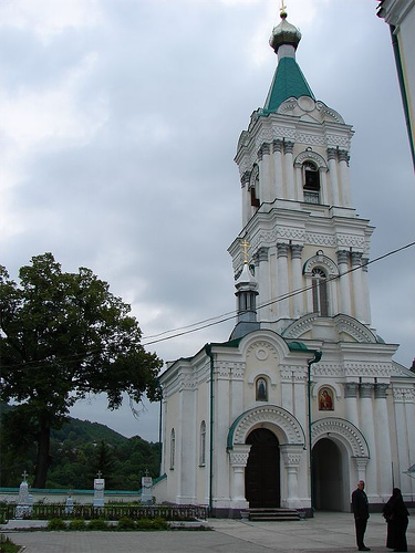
pixel 308 246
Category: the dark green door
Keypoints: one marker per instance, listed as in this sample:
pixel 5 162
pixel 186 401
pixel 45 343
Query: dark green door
pixel 262 473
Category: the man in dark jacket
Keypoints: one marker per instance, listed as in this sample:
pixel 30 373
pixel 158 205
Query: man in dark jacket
pixel 360 507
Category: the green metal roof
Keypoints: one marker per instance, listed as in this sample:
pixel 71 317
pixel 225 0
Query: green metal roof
pixel 288 81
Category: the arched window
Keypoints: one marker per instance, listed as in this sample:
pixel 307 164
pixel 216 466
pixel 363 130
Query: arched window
pixel 254 186
pixel 202 444
pixel 172 448
pixel 311 182
pixel 325 399
pixel 261 389
pixel 320 292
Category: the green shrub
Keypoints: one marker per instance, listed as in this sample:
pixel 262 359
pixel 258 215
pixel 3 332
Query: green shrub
pixel 7 546
pixel 126 523
pixel 56 524
pixel 98 524
pixel 77 524
pixel 152 524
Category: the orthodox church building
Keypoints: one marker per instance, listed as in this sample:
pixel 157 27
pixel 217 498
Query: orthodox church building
pixel 304 399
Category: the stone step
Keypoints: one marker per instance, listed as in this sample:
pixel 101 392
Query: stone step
pixel 273 514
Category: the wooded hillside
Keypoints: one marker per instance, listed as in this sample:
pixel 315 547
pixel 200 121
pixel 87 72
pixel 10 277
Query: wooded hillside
pixel 78 451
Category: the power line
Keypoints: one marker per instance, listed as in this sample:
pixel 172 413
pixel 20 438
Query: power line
pixel 181 331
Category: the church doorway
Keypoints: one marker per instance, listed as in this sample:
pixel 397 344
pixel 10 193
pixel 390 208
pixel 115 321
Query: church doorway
pixel 262 473
pixel 327 476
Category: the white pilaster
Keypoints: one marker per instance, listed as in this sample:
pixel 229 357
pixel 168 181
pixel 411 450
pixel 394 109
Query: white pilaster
pixel 383 441
pixel 276 150
pixel 344 178
pixel 343 257
pixel 283 289
pixel 359 299
pixel 296 250
pixel 289 169
pixel 350 396
pixel 368 429
pixel 334 181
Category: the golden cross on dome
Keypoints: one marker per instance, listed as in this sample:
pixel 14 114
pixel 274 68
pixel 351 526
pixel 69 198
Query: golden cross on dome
pixel 283 9
pixel 245 249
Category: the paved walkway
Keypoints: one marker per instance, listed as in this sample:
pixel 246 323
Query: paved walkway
pixel 326 532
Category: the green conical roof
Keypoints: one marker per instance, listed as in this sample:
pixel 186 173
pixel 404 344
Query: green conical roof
pixel 288 81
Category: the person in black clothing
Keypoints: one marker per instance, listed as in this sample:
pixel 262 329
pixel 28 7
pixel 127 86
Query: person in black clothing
pixel 360 507
pixel 396 515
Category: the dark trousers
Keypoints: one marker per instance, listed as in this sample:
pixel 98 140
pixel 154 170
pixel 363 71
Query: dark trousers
pixel 360 524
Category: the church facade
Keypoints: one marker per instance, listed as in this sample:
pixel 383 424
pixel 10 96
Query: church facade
pixel 304 399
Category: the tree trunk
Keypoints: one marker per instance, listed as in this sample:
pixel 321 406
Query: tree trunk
pixel 43 445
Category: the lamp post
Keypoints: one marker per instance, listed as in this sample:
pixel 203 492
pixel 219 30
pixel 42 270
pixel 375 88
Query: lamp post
pixel 315 359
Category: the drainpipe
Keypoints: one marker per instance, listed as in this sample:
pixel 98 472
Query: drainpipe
pixel 315 359
pixel 208 349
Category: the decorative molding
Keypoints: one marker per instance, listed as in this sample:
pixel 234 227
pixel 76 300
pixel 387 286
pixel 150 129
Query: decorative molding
pixel 345 431
pixel 354 328
pixel 282 249
pixel 320 260
pixel 292 454
pixel 357 369
pixel 310 155
pixel 239 455
pixel 380 390
pixel 350 389
pixel 300 327
pixel 272 415
pixel 404 393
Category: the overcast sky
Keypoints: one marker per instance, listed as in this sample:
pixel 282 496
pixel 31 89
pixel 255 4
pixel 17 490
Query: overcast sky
pixel 119 121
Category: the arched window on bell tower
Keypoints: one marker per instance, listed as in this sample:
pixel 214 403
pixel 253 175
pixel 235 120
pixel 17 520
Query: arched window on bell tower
pixel 311 182
pixel 254 186
pixel 320 292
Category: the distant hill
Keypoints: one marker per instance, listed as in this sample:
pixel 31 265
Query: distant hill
pixel 78 451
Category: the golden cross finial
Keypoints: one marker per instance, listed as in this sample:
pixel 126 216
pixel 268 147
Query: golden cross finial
pixel 283 9
pixel 245 249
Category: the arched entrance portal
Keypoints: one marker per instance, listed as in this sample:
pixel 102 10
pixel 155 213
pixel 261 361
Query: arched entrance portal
pixel 262 473
pixel 327 471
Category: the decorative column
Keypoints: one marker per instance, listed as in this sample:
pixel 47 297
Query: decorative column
pixel 343 257
pixel 383 441
pixel 361 464
pixel 297 276
pixel 404 403
pixel 289 169
pixel 324 193
pixel 350 396
pixel 344 177
pixel 265 173
pixel 246 198
pixel 367 427
pixel 359 299
pixel 291 455
pixel 238 457
pixel 366 294
pixel 276 150
pixel 332 161
pixel 264 282
pixel 282 263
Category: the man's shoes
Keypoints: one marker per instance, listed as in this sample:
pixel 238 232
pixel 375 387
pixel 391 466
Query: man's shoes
pixel 364 548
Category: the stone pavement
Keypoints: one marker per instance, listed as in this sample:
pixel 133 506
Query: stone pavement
pixel 326 532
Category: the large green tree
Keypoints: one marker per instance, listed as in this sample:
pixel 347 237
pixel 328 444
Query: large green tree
pixel 63 336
